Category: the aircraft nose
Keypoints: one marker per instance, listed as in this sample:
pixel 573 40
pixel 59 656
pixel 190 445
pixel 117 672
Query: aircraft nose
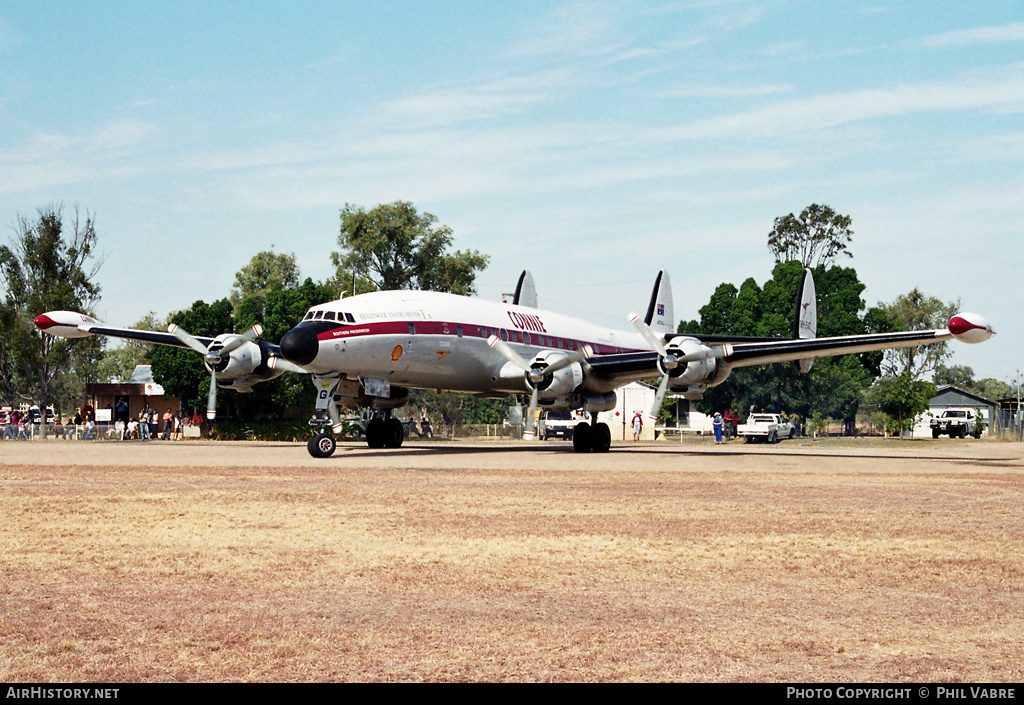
pixel 300 345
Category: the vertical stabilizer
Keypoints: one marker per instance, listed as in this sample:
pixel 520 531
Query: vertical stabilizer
pixel 526 292
pixel 805 316
pixel 660 315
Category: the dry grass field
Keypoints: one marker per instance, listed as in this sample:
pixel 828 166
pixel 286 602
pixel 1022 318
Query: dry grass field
pixel 857 561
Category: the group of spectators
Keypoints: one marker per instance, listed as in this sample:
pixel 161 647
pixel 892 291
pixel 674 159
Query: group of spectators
pixel 422 431
pixel 151 424
pixel 148 424
pixel 16 425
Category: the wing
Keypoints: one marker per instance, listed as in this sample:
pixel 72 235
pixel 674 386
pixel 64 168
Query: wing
pixel 145 336
pixel 696 361
pixel 68 324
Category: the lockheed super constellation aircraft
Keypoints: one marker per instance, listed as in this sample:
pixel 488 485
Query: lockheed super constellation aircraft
pixel 370 350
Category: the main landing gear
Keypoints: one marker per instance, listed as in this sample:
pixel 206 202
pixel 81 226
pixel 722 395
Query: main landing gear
pixel 591 438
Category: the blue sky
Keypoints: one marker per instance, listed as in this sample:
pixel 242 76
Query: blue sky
pixel 594 143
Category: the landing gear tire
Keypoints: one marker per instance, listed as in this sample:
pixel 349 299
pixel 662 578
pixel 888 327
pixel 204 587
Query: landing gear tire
pixel 394 433
pixel 321 445
pixel 384 433
pixel 582 438
pixel 376 433
pixel 601 438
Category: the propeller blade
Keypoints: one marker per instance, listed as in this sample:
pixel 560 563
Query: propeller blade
pixel 561 362
pixel 655 340
pixel 211 404
pixel 279 363
pixel 530 429
pixel 659 397
pixel 184 336
pixel 536 375
pixel 230 343
pixel 508 353
pixel 234 342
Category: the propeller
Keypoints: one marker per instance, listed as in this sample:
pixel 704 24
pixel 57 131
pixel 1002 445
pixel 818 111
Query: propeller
pixel 669 360
pixel 535 375
pixel 213 357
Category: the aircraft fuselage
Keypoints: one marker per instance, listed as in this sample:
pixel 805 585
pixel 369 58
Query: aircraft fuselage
pixel 433 340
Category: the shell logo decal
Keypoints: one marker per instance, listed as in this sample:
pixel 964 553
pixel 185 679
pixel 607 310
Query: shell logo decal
pixel 396 353
pixel 442 354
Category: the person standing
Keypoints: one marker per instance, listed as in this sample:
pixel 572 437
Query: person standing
pixel 144 423
pixel 638 426
pixel 717 424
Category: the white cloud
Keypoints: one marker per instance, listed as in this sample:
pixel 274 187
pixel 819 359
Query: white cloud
pixel 1001 90
pixel 486 100
pixel 978 35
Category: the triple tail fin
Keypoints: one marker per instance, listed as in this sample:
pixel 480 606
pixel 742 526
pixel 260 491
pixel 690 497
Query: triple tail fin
pixel 526 292
pixel 805 316
pixel 660 315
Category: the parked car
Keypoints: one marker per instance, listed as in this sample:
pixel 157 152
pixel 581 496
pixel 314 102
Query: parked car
pixel 558 424
pixel 957 423
pixel 770 428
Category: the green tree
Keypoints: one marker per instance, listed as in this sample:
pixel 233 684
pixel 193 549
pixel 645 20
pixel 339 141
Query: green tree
pixel 917 311
pixel 993 389
pixel 814 238
pixel 833 387
pixel 957 375
pixel 394 247
pixel 47 266
pixel 901 398
pixel 265 272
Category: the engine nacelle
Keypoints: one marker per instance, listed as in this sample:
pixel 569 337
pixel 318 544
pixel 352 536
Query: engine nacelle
pixel 601 402
pixel 241 362
pixel 697 370
pixel 559 383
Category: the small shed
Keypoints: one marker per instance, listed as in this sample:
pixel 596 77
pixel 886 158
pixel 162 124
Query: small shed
pixel 630 399
pixel 131 396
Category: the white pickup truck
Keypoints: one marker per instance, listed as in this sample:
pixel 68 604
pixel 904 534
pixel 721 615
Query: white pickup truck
pixel 770 428
pixel 957 424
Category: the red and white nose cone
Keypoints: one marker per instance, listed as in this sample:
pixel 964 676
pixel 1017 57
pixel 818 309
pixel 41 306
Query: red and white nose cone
pixel 970 328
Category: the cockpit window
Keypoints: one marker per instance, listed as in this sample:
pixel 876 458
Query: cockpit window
pixel 350 318
pixel 329 316
pixel 308 316
pixel 318 315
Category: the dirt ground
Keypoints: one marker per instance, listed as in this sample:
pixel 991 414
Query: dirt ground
pixel 856 561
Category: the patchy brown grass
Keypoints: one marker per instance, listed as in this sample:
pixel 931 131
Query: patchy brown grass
pixel 494 562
